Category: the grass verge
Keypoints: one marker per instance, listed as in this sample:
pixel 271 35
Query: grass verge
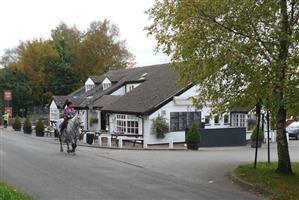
pixel 265 176
pixel 9 193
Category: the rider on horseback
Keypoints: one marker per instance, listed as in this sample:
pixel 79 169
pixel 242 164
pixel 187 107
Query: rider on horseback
pixel 68 113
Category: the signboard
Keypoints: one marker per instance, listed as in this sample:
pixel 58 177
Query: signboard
pixel 7 95
pixel 8 110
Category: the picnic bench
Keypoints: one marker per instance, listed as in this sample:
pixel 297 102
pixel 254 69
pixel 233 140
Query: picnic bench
pixel 120 137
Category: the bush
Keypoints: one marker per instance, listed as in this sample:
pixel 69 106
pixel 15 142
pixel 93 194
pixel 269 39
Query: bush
pixel 93 121
pixel 193 135
pixel 254 135
pixel 160 127
pixel 17 124
pixel 27 128
pixel 40 128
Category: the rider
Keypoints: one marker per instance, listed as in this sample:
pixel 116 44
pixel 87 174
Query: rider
pixel 68 113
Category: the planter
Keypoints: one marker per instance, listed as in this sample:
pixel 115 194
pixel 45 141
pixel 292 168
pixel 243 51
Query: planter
pixel 89 138
pixel 160 135
pixel 192 146
pixel 41 134
pixel 253 144
pixel 56 133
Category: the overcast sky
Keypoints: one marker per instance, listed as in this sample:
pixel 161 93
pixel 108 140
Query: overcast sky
pixel 22 20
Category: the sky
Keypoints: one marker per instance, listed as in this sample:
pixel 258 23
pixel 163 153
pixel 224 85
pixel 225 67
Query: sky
pixel 23 20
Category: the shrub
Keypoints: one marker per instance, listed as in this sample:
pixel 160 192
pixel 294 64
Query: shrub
pixel 93 121
pixel 160 127
pixel 17 124
pixel 27 128
pixel 254 135
pixel 40 128
pixel 193 135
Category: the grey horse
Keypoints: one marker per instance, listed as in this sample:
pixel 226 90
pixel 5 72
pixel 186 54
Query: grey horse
pixel 71 134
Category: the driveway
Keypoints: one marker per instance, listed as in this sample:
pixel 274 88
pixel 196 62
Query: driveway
pixel 37 167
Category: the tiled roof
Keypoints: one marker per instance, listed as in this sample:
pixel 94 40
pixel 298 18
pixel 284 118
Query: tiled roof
pixel 159 86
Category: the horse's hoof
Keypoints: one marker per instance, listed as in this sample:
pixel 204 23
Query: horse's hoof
pixel 68 151
pixel 61 150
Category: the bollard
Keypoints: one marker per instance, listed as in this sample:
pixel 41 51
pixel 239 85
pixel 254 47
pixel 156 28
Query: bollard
pixel 100 141
pixel 84 138
pixel 109 141
pixel 144 145
pixel 120 142
pixel 170 143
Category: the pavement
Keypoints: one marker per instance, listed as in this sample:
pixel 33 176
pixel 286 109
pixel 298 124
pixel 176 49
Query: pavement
pixel 208 168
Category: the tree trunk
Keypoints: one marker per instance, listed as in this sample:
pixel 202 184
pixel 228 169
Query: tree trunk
pixel 284 162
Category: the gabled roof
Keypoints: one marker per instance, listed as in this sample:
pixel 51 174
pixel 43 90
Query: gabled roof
pixel 60 100
pixel 97 79
pixel 160 86
pixel 106 100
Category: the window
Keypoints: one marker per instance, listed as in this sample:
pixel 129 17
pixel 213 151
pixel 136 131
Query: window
pixel 179 121
pixel 88 87
pixel 127 124
pixel 207 119
pixel 238 120
pixel 216 119
pixel 106 86
pixel 130 88
pixel 225 119
pixel 54 114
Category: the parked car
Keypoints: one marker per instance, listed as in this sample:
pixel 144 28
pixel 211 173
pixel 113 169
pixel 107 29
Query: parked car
pixel 293 130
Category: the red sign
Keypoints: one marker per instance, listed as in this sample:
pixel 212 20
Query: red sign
pixel 8 110
pixel 7 95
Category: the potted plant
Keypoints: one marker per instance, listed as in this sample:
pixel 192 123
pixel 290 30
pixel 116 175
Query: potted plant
pixel 193 137
pixel 17 124
pixel 160 127
pixel 27 128
pixel 253 138
pixel 40 128
pixel 93 121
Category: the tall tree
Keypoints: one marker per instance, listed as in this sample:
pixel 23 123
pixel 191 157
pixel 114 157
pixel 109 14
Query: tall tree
pixel 237 51
pixel 66 40
pixel 101 50
pixel 34 61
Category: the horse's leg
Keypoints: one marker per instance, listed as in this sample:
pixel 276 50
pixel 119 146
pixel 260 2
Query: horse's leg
pixel 60 140
pixel 74 145
pixel 68 145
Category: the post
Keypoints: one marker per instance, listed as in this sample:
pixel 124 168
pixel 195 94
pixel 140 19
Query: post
pixel 268 131
pixel 170 143
pixel 258 113
pixel 100 140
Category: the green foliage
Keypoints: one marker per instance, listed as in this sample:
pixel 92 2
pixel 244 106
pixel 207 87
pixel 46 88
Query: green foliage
pixel 27 128
pixel 40 128
pixel 17 124
pixel 9 193
pixel 254 135
pixel 236 52
pixel 266 177
pixel 93 121
pixel 193 135
pixel 251 123
pixel 36 69
pixel 160 127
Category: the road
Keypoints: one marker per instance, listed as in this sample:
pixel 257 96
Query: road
pixel 36 167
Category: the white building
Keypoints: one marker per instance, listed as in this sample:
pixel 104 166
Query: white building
pixel 126 101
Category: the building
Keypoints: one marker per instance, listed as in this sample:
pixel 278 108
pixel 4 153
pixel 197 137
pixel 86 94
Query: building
pixel 127 100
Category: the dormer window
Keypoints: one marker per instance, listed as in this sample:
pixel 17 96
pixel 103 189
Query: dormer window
pixel 106 83
pixel 89 84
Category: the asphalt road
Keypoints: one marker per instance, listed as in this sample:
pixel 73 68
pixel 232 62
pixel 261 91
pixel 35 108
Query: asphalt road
pixel 38 168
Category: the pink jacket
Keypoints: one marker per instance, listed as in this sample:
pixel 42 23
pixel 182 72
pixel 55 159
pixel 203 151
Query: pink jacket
pixel 69 112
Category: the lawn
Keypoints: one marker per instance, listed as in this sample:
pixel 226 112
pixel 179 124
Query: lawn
pixel 287 186
pixel 9 193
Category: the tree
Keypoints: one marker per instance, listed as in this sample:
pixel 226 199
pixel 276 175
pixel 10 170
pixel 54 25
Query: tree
pixel 66 41
pixel 101 50
pixel 237 51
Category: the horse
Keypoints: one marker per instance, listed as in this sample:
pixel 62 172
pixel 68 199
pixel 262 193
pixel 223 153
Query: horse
pixel 70 134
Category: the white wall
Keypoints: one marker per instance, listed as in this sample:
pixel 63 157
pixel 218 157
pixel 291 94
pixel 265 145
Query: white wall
pixel 54 111
pixel 124 89
pixel 89 84
pixel 121 91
